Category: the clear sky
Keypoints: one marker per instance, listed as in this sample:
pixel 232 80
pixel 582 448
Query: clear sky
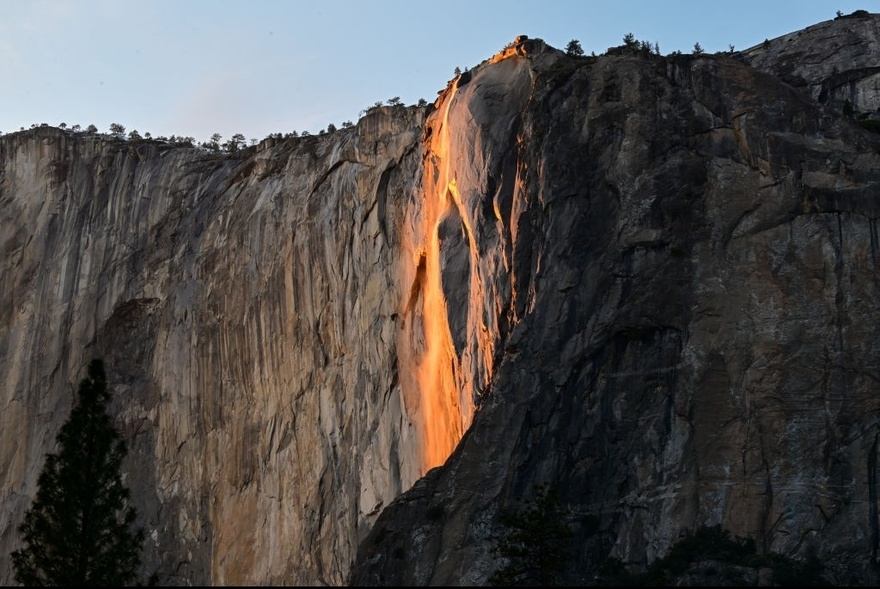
pixel 196 67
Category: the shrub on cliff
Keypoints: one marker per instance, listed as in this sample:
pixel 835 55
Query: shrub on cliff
pixel 78 531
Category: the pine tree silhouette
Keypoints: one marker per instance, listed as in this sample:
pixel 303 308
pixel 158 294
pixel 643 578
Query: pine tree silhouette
pixel 536 544
pixel 78 530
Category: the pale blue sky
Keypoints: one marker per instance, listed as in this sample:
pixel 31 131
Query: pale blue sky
pixel 195 67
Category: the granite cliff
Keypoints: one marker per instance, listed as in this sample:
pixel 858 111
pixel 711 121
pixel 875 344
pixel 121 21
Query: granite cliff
pixel 247 313
pixel 647 281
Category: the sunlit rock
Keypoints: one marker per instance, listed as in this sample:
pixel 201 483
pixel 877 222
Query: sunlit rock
pixel 650 282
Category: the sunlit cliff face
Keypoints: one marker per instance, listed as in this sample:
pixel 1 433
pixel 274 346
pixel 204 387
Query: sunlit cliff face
pixel 440 410
pixel 450 312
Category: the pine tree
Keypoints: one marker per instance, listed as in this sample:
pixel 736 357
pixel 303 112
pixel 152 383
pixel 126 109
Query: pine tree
pixel 574 48
pixel 536 545
pixel 78 531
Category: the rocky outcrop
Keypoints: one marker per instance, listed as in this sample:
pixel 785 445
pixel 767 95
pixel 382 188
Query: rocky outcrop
pixel 648 282
pixel 834 61
pixel 691 248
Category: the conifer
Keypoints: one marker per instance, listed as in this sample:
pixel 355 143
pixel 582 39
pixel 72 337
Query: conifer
pixel 78 530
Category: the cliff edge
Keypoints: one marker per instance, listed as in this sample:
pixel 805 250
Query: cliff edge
pixel 647 282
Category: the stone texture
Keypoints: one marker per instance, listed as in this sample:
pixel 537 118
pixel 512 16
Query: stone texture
pixel 691 249
pixel 833 61
pixel 648 281
pixel 248 319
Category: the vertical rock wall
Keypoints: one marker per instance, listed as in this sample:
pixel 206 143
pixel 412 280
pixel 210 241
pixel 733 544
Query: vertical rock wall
pixel 690 251
pixel 248 309
pixel 649 282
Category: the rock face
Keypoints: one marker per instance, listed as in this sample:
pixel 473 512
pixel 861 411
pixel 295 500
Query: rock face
pixel 248 311
pixel 649 282
pixel 690 338
pixel 833 61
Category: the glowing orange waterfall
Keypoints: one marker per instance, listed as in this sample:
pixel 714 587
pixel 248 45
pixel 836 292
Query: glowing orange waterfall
pixel 436 382
pixel 437 407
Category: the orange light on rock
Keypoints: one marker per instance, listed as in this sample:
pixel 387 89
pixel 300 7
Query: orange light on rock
pixel 434 395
